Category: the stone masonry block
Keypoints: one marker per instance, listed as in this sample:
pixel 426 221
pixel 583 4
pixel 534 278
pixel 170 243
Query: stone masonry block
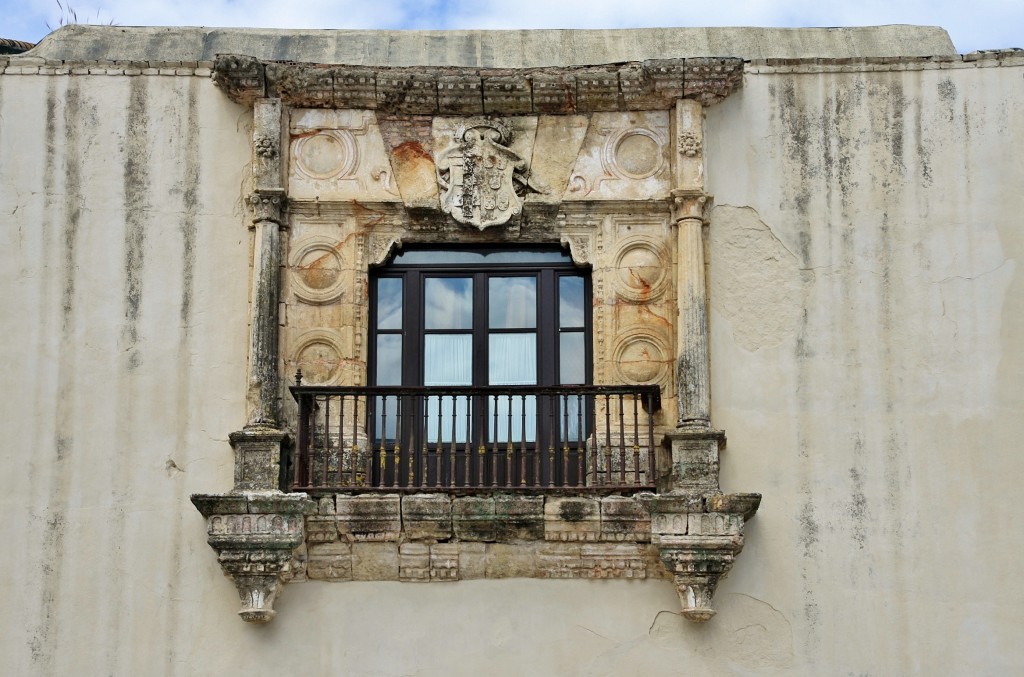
pixel 572 518
pixel 508 560
pixel 473 559
pixel 444 562
pixel 321 529
pixel 414 562
pixel 375 561
pixel 473 518
pixel 624 518
pixel 369 517
pixel 519 517
pixel 330 562
pixel 613 560
pixel 713 524
pixel 427 517
pixel 560 560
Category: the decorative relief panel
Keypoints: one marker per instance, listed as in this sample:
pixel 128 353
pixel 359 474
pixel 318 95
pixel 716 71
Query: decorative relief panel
pixel 338 155
pixel 624 157
pixel 317 270
pixel 319 353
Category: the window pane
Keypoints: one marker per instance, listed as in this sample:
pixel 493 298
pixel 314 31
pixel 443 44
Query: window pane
pixel 515 413
pixel 512 302
pixel 447 418
pixel 448 302
pixel 571 306
pixel 448 360
pixel 386 419
pixel 512 359
pixel 389 303
pixel 389 359
pixel 571 358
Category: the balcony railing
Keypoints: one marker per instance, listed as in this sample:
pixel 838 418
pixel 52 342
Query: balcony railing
pixel 454 438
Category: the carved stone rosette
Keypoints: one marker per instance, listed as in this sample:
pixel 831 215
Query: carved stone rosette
pixel 255 535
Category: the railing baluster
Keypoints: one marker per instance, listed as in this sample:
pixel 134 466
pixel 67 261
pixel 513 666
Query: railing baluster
pixel 494 445
pixel 636 442
pixel 563 401
pixel 622 443
pixel 522 445
pixel 580 442
pixel 557 446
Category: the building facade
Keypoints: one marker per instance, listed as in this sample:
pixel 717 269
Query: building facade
pixel 477 310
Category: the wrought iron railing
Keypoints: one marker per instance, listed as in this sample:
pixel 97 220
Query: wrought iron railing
pixel 440 438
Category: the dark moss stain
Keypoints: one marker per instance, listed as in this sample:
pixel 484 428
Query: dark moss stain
pixel 574 511
pixel 947 97
pixel 136 203
pixel 43 642
pixel 858 501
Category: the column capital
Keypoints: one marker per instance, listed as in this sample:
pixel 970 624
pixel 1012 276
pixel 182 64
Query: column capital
pixel 689 204
pixel 268 206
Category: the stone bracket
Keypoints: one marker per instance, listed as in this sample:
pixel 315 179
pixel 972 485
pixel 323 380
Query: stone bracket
pixel 698 538
pixel 254 535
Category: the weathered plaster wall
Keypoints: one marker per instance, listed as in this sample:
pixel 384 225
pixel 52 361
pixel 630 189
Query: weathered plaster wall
pixel 866 363
pixel 125 267
pixel 865 318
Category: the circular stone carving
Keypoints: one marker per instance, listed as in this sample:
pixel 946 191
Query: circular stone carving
pixel 640 358
pixel 636 153
pixel 316 270
pixel 642 267
pixel 318 354
pixel 327 154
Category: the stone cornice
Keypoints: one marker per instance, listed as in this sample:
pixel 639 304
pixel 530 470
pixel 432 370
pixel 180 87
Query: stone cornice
pixel 429 90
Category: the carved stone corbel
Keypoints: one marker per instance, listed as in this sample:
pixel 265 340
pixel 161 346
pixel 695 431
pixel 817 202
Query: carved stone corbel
pixel 698 538
pixel 254 535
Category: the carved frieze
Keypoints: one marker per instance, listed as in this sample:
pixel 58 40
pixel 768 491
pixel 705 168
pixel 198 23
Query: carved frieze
pixel 427 90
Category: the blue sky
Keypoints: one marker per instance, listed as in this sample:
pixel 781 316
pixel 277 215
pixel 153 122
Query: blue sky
pixel 980 24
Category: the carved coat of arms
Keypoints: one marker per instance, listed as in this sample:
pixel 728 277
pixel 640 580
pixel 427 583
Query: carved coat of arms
pixel 478 175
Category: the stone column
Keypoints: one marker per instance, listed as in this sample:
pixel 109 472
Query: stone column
pixel 693 376
pixel 688 202
pixel 267 202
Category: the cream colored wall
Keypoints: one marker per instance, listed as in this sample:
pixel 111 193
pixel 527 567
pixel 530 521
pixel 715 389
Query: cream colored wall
pixel 865 319
pixel 867 323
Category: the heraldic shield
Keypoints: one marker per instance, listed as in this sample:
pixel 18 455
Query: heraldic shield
pixel 477 176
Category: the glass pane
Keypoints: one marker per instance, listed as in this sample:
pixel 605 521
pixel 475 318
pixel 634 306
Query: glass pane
pixel 448 360
pixel 447 416
pixel 386 418
pixel 469 257
pixel 571 358
pixel 512 359
pixel 448 302
pixel 389 359
pixel 517 413
pixel 389 303
pixel 571 306
pixel 512 302
pixel 571 418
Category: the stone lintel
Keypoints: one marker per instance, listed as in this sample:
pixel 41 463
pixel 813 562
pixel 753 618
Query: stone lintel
pixel 653 84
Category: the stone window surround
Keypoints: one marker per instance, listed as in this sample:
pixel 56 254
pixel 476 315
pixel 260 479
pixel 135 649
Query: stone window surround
pixel 689 531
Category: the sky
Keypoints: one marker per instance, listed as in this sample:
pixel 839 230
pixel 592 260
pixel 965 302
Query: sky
pixel 973 25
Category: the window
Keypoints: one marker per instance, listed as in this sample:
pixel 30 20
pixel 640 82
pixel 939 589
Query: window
pixel 466 319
